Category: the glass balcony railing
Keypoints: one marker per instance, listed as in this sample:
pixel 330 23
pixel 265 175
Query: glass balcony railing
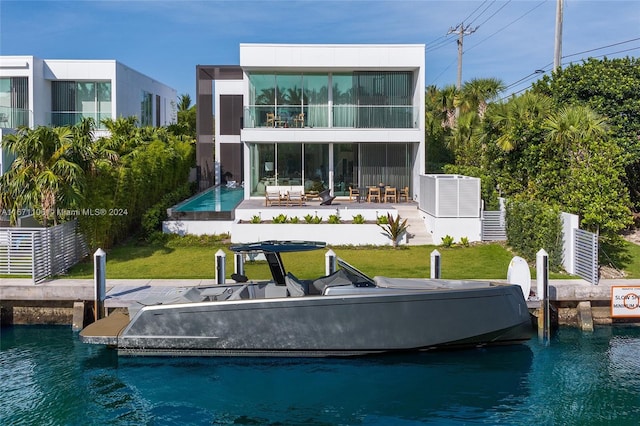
pixel 343 116
pixel 12 118
pixel 65 118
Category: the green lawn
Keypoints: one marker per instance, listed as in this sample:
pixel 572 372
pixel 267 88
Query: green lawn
pixel 171 260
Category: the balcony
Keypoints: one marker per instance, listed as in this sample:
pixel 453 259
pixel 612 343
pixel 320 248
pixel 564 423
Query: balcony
pixel 336 116
pixel 12 118
pixel 71 118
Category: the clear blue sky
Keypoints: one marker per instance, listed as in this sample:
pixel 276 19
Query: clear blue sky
pixel 167 39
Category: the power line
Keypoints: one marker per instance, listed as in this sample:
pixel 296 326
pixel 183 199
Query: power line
pixel 494 13
pixel 474 11
pixel 506 26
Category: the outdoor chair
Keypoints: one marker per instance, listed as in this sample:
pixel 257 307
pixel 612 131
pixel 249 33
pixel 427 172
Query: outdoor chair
pixel 298 120
pixel 295 197
pixel 374 194
pixel 354 192
pixel 272 120
pixel 404 193
pixel 390 193
pixel 272 196
pixel 325 197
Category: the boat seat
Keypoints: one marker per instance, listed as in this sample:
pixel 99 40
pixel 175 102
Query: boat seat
pixel 240 294
pixel 295 287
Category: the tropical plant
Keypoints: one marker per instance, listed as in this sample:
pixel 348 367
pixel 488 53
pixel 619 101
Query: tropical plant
pixel 334 219
pixel 394 228
pixel 281 218
pixel 47 174
pixel 447 241
pixel 358 219
pixel 464 241
pixel 255 219
pixel 382 220
pixel 312 219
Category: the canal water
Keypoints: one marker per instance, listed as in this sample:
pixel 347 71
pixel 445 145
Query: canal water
pixel 47 377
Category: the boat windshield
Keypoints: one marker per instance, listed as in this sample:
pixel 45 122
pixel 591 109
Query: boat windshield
pixel 366 280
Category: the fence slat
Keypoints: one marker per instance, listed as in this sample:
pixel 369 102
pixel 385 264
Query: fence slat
pixel 40 252
pixel 493 226
pixel 586 255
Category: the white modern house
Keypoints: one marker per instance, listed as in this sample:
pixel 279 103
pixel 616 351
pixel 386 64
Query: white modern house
pixel 321 116
pixel 58 92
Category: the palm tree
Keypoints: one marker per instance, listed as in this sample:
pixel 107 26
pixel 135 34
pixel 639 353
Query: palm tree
pixel 184 102
pixel 515 119
pixel 43 176
pixel 476 94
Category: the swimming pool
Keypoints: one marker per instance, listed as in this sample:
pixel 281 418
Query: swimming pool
pixel 214 203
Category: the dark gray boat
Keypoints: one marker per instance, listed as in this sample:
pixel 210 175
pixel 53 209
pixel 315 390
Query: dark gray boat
pixel 343 314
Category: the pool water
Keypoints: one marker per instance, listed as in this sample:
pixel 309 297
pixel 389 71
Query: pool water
pixel 215 199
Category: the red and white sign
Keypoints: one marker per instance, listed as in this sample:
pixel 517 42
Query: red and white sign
pixel 625 302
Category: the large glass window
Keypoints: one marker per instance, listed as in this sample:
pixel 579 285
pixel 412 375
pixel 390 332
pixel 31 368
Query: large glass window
pixel 344 101
pixel 263 171
pixel 289 164
pixel 74 100
pixel 316 167
pixel 146 109
pixel 14 102
pixel 389 164
pixel 345 161
pixel 316 100
pixel 371 99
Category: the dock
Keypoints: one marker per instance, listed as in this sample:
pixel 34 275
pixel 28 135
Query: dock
pixel 574 302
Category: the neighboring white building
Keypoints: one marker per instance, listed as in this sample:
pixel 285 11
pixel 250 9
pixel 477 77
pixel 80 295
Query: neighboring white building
pixel 335 115
pixel 58 92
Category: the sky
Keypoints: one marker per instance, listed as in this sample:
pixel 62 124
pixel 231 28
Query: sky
pixel 512 41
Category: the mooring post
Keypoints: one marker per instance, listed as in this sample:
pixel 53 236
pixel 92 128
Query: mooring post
pixel 329 262
pixel 238 263
pixel 221 259
pixel 435 265
pixel 542 287
pixel 100 282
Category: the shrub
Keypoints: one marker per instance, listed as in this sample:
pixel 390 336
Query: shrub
pixel 281 218
pixel 382 220
pixel 447 241
pixel 533 225
pixel 294 219
pixel 359 219
pixel 312 219
pixel 464 241
pixel 255 219
pixel 334 218
pixel 154 216
pixel 394 228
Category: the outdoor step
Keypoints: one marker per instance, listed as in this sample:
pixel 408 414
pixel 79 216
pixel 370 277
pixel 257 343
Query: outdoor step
pixel 417 228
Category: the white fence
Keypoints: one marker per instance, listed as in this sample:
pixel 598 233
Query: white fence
pixel 493 226
pixel 40 252
pixel 586 255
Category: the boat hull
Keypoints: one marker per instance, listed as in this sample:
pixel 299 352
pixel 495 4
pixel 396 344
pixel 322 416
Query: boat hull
pixel 342 325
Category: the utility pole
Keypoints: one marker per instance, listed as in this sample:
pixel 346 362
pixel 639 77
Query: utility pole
pixel 461 30
pixel 557 57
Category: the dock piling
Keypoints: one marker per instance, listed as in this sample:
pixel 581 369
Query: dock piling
pixel 435 265
pixel 100 282
pixel 542 286
pixel 221 258
pixel 329 262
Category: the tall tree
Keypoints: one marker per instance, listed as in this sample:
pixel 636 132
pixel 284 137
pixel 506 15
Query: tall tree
pixel 43 175
pixel 610 87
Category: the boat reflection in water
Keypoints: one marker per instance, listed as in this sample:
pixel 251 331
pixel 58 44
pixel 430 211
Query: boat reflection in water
pixel 343 314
